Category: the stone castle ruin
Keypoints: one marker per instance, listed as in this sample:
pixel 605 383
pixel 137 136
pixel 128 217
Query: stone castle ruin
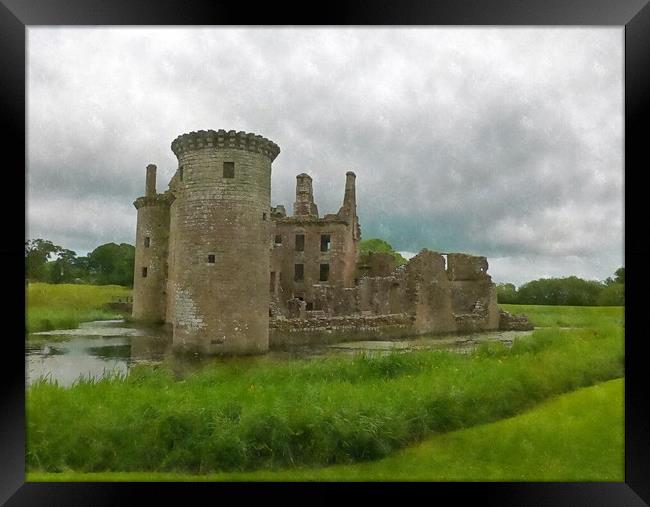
pixel 230 274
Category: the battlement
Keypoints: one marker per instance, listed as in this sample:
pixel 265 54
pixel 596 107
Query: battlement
pixel 164 199
pixel 222 139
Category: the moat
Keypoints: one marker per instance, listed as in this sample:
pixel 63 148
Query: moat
pixel 102 348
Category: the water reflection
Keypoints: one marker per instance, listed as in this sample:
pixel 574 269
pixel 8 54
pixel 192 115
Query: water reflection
pixel 103 348
pixel 95 350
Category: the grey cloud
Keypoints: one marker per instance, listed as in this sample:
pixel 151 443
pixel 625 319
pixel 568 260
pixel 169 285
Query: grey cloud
pixel 505 142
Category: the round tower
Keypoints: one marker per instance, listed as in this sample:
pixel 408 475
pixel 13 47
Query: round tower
pixel 219 276
pixel 151 247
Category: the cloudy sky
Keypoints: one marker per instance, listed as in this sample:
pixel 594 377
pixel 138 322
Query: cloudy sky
pixel 504 142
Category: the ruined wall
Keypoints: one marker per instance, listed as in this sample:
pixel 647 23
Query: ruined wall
pixel 428 289
pixel 474 298
pixel 466 267
pixel 377 264
pixel 221 225
pixel 311 257
pixel 151 250
pixel 312 250
pixel 423 289
pixel 383 295
pixel 324 330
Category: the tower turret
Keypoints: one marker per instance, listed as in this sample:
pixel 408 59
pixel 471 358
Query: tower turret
pixel 220 225
pixel 151 249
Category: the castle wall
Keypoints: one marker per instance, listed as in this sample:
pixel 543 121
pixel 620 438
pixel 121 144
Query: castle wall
pixel 171 264
pixel 433 309
pixel 422 288
pixel 221 226
pixel 311 257
pixel 306 268
pixel 327 330
pixel 466 267
pixel 376 264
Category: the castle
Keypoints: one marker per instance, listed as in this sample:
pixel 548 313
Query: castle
pixel 230 274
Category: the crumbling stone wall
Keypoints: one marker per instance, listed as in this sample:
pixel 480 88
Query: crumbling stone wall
pixel 383 295
pixel 466 267
pixel 324 330
pixel 458 298
pixel 326 248
pixel 376 264
pixel 514 322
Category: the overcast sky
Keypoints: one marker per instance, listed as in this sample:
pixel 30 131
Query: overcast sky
pixel 503 142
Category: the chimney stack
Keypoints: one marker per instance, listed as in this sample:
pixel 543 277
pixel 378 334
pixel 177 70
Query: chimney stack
pixel 304 205
pixel 150 189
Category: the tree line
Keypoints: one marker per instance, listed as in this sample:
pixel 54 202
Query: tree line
pixel 108 264
pixel 571 291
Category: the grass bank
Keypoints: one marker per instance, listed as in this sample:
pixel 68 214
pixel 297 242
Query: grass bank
pixel 571 316
pixel 65 306
pixel 573 437
pixel 246 414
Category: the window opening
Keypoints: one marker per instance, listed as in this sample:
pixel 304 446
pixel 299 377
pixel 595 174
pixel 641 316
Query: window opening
pixel 325 243
pixel 228 169
pixel 300 242
pixel 324 272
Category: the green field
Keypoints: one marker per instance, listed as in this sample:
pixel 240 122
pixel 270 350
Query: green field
pixel 65 306
pixel 270 419
pixel 570 316
pixel 574 437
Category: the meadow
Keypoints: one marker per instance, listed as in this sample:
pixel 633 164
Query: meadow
pixel 249 416
pixel 570 316
pixel 65 306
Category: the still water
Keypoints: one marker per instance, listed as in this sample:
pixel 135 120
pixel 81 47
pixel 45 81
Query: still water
pixel 103 348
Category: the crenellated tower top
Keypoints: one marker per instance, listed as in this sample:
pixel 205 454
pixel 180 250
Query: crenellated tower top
pixel 222 139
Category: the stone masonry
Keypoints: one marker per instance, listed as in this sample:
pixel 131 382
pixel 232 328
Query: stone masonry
pixel 230 274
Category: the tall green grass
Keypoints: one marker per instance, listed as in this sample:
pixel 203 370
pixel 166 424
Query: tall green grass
pixel 248 414
pixel 577 436
pixel 65 306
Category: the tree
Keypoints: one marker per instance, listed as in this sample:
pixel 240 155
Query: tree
pixel 572 291
pixel 612 295
pixel 62 270
pixel 37 255
pixel 614 292
pixel 379 245
pixel 507 293
pixel 112 264
pixel 620 275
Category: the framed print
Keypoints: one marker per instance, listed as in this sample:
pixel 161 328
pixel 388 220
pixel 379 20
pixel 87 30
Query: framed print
pixel 274 252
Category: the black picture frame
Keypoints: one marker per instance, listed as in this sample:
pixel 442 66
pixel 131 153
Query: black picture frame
pixel 16 15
